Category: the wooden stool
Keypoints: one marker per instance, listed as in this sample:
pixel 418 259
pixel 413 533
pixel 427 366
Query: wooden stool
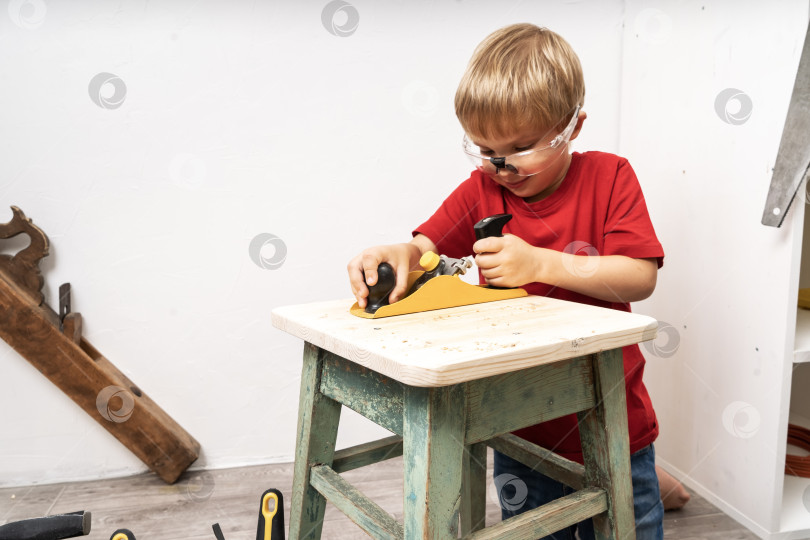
pixel 449 383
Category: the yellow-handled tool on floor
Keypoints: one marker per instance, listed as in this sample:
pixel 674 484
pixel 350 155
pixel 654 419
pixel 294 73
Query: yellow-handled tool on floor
pixel 271 516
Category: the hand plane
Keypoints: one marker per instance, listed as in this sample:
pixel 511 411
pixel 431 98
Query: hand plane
pixel 439 285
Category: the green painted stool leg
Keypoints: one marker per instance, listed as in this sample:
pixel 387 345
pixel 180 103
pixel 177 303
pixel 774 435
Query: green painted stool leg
pixel 433 451
pixel 474 489
pixel 606 448
pixel 318 418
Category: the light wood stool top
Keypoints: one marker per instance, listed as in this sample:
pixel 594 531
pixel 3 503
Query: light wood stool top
pixel 448 346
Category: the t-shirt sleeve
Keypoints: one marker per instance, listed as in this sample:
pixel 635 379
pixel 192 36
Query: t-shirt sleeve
pixel 628 228
pixel 451 226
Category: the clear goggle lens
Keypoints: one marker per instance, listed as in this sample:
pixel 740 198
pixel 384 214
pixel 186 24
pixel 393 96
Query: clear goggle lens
pixel 525 163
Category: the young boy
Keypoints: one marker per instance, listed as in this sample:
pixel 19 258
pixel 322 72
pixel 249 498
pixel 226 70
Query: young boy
pixel 580 231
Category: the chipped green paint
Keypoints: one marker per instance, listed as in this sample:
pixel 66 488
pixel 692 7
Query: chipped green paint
pixel 361 455
pixel 549 518
pixel 606 452
pixel 504 403
pixel 318 418
pixel 474 489
pixel 357 507
pixel 433 452
pixel 554 466
pixel 444 432
pixel 375 396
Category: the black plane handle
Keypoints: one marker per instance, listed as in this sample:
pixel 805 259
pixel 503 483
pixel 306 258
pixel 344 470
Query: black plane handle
pixel 491 226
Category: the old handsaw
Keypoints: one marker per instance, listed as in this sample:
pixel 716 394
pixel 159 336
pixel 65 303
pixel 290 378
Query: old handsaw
pixel 793 160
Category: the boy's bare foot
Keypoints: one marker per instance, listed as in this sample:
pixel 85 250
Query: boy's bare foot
pixel 673 494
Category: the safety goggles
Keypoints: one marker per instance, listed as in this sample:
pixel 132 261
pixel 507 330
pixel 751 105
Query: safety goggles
pixel 526 163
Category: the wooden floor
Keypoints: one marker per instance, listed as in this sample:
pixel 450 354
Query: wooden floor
pixel 153 510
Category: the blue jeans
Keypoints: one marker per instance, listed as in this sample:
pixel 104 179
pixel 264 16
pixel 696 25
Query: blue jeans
pixel 521 488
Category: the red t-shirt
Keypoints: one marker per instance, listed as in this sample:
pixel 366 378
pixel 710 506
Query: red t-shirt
pixel 598 209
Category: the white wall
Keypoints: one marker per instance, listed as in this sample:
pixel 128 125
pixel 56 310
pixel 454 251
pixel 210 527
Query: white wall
pixel 720 377
pixel 238 119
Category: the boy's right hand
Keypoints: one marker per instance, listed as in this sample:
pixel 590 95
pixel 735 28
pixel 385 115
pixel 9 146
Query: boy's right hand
pixel 399 256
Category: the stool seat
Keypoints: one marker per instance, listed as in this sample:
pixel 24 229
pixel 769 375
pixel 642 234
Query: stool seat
pixel 449 383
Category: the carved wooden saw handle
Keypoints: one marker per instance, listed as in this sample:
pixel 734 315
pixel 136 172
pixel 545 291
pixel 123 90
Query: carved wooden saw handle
pixel 23 267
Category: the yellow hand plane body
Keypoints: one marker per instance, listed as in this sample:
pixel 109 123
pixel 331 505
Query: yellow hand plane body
pixel 438 293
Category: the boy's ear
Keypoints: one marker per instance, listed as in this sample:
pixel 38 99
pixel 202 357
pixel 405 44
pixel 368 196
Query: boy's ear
pixel 580 120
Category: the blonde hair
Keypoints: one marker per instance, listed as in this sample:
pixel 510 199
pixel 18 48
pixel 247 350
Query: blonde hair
pixel 519 76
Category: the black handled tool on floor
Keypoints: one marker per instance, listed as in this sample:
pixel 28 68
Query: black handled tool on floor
pixel 271 516
pixel 48 528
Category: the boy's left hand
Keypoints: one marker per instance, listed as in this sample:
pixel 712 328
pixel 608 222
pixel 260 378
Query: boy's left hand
pixel 507 261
